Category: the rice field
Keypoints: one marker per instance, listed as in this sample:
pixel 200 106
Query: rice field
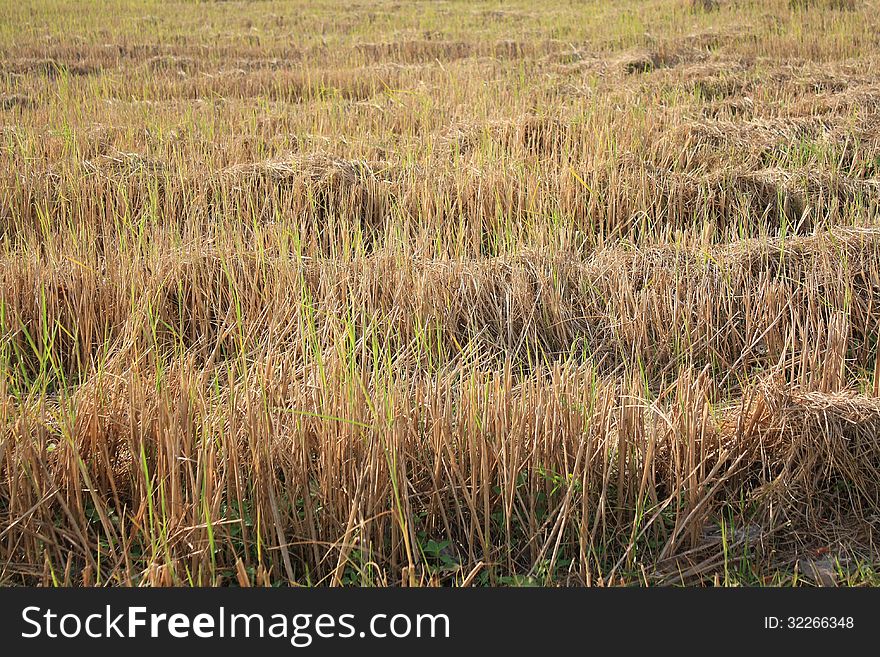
pixel 439 293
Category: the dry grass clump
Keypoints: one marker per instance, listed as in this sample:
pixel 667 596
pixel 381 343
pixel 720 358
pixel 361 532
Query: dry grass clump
pixel 12 101
pixel 122 165
pixel 429 50
pixel 649 61
pixel 166 63
pixel 286 85
pixel 705 5
pixel 847 5
pixel 324 174
pixel 760 136
pixel 49 67
pixel 823 455
pixel 540 136
pixel 316 168
pixel 856 98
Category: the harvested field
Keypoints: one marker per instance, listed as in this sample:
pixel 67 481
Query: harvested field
pixel 439 293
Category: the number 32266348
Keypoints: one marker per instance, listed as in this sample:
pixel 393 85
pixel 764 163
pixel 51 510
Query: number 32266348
pixel 809 622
